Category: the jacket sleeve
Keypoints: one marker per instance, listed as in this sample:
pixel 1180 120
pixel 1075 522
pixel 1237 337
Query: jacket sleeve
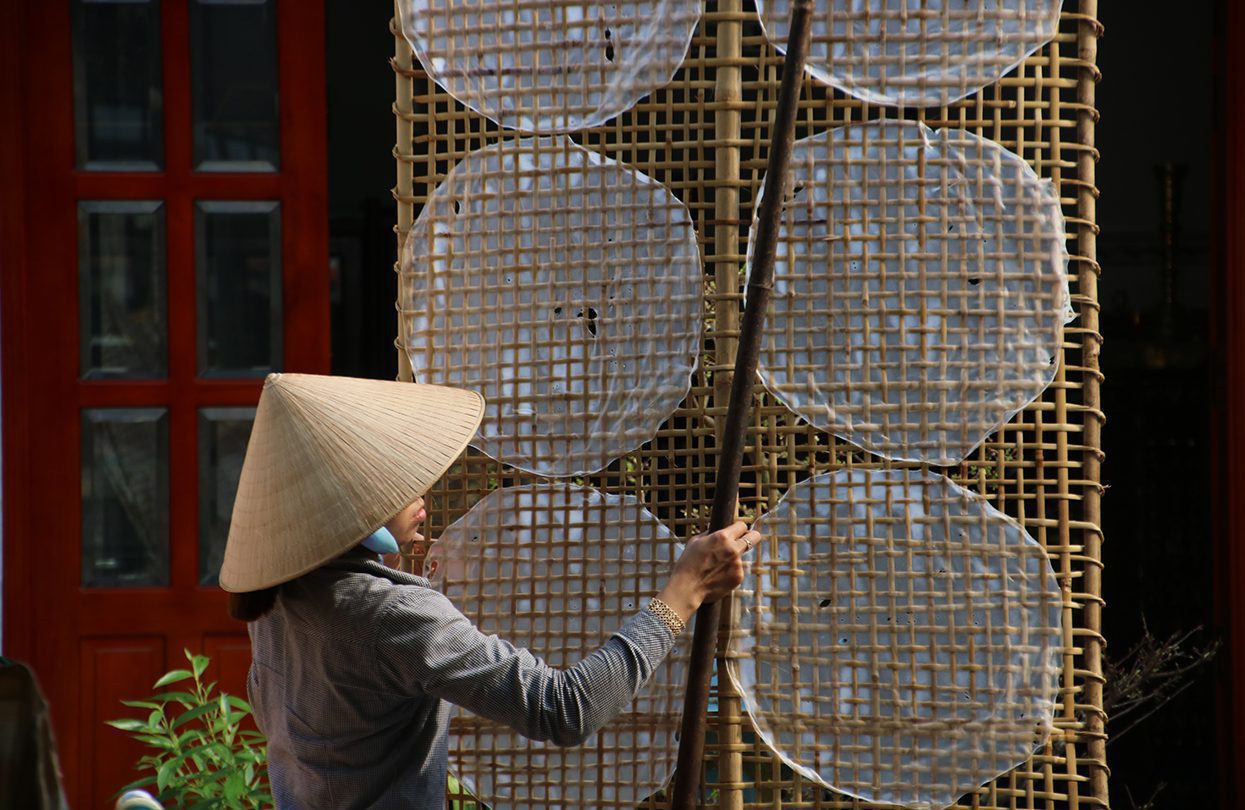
pixel 427 646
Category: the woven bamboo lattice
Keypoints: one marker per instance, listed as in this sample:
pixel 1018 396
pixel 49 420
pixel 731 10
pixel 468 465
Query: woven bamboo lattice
pixel 703 137
pixel 558 568
pixel 919 54
pixel 919 289
pixel 563 287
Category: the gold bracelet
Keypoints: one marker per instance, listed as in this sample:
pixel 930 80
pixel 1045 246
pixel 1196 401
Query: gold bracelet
pixel 667 615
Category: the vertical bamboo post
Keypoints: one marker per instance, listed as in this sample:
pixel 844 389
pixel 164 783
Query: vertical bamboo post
pixel 734 433
pixel 1088 31
pixel 403 152
pixel 727 100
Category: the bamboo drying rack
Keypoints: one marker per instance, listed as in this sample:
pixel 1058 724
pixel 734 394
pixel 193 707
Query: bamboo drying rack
pixel 704 137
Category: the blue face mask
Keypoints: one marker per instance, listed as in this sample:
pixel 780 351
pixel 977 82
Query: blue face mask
pixel 381 541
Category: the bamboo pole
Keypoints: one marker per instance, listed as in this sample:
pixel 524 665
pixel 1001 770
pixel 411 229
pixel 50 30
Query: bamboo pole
pixel 403 152
pixel 1088 32
pixel 727 121
pixel 730 459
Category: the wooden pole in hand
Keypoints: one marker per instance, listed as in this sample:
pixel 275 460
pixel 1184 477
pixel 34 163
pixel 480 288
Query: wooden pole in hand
pixel 730 460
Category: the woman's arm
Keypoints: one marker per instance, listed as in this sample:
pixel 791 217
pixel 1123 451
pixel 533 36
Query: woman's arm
pixel 428 644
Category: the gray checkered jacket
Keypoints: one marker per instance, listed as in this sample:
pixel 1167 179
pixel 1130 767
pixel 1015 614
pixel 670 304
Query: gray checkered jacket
pixel 353 668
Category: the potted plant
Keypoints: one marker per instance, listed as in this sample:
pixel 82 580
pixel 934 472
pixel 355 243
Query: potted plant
pixel 202 756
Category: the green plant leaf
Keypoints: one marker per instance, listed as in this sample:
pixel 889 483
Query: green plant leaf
pixel 156 741
pixel 185 698
pixel 141 704
pixel 164 776
pixel 234 788
pixel 203 757
pixel 192 714
pixel 238 703
pixel 172 677
pixel 194 734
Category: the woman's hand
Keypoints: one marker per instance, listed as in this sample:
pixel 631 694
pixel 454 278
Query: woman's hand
pixel 710 567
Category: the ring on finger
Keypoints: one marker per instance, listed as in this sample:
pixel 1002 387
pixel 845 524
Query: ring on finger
pixel 747 542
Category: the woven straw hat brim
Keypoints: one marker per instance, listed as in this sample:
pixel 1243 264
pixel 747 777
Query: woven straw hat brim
pixel 330 460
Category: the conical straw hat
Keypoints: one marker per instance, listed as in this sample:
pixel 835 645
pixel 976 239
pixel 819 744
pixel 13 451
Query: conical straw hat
pixel 330 460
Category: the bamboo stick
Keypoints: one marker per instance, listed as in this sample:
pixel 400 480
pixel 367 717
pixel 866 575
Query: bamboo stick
pixel 403 152
pixel 727 125
pixel 730 460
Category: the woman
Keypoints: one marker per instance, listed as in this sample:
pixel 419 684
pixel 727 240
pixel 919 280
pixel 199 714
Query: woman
pixel 355 663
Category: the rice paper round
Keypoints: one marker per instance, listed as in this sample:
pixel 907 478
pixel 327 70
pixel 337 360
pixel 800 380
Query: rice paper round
pixel 920 289
pixel 548 67
pixel 916 53
pixel 563 286
pixel 556 569
pixel 899 637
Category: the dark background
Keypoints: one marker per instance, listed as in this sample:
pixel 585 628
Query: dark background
pixel 362 212
pixel 1157 104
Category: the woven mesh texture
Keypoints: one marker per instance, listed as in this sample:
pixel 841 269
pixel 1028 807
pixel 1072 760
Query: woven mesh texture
pixel 703 136
pixel 899 638
pixel 556 568
pixel 916 53
pixel 566 289
pixel 920 288
pixel 550 65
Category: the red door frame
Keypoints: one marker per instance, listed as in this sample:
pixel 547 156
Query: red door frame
pixel 46 613
pixel 18 590
pixel 1228 340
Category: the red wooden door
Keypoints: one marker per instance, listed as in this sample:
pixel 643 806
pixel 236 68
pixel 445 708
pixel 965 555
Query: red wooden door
pixel 163 244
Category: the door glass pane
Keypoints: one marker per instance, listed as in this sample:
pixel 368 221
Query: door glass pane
pixel 117 88
pixel 233 62
pixel 125 497
pixel 121 299
pixel 223 434
pixel 238 262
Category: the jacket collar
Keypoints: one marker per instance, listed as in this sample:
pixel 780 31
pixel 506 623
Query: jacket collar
pixel 361 561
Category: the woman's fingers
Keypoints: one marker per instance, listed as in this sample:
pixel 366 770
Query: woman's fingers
pixel 738 536
pixel 731 544
pixel 712 564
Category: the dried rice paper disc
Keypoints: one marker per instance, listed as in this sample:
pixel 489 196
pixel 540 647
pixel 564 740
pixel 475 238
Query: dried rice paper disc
pixel 916 53
pixel 557 568
pixel 564 287
pixel 550 67
pixel 920 289
pixel 899 638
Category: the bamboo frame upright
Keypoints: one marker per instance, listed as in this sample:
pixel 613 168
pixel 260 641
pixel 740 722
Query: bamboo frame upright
pixel 704 136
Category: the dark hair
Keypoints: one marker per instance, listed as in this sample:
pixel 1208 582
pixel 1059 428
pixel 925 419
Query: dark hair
pixel 252 605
